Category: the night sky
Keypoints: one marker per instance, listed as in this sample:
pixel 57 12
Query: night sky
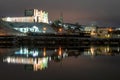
pixel 101 12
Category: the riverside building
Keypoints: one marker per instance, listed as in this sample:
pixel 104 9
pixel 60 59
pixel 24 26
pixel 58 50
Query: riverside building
pixel 34 21
pixel 31 15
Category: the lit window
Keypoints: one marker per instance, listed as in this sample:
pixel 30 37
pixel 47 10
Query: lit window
pixel 8 19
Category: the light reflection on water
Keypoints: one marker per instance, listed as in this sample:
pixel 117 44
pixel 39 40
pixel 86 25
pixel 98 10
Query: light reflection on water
pixel 35 58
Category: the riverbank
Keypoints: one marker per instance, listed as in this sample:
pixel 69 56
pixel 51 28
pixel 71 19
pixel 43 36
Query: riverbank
pixel 70 40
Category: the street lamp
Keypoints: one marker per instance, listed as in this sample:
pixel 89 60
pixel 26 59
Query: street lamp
pixel 44 29
pixel 60 30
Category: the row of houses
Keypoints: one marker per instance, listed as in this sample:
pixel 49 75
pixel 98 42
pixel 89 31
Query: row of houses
pixel 94 30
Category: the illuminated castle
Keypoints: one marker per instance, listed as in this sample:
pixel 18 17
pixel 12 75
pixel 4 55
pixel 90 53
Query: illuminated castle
pixel 34 21
pixel 31 15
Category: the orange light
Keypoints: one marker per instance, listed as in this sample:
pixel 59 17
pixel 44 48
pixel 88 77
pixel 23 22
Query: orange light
pixel 44 52
pixel 110 29
pixel 44 28
pixel 60 51
pixel 60 30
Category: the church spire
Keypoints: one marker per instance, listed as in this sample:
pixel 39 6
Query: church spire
pixel 61 17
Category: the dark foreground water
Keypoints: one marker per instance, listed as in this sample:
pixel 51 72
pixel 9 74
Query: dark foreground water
pixel 60 63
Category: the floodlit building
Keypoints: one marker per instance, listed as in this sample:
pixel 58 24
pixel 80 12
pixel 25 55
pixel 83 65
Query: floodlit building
pixel 103 32
pixel 34 21
pixel 91 29
pixel 31 15
pixel 37 63
pixel 25 27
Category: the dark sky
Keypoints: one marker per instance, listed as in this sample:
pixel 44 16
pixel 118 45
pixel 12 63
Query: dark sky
pixel 102 12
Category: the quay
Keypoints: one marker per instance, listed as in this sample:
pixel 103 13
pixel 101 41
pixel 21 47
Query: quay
pixel 55 39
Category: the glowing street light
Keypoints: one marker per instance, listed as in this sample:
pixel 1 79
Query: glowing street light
pixel 44 52
pixel 60 51
pixel 44 28
pixel 110 30
pixel 60 30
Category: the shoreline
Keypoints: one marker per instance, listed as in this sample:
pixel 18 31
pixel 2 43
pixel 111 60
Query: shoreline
pixel 68 40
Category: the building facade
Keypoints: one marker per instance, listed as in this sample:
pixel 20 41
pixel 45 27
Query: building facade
pixel 31 15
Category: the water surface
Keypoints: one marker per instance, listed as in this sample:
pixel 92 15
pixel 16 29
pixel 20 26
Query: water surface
pixel 60 63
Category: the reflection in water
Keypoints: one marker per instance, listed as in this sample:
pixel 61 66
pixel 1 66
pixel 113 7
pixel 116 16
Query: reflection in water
pixel 44 52
pixel 38 63
pixel 26 52
pixel 59 51
pixel 103 50
pixel 38 58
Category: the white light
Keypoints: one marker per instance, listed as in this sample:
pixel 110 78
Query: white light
pixel 8 59
pixel 35 54
pixel 118 49
pixel 50 59
pixel 8 19
pixel 44 60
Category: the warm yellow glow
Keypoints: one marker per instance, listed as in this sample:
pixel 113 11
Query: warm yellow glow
pixel 44 52
pixel 37 67
pixel 92 50
pixel 60 29
pixel 60 51
pixel 109 29
pixel 108 36
pixel 44 28
pixel 107 48
pixel 93 33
